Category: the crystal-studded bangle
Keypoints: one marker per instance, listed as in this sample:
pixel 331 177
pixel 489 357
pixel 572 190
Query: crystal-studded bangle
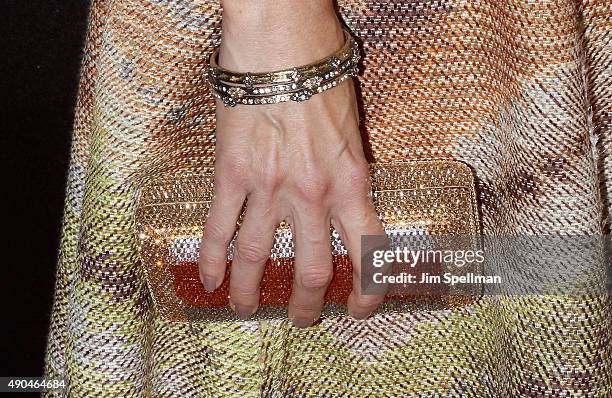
pixel 294 84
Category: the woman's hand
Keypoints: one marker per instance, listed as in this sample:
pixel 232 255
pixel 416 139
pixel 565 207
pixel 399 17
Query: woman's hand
pixel 299 162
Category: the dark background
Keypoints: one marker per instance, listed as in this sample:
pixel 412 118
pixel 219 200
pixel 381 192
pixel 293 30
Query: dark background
pixel 41 49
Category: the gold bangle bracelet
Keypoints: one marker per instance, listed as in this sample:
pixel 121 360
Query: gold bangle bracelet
pixel 294 84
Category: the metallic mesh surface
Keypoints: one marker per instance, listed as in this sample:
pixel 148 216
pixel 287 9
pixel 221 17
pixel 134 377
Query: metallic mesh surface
pixel 417 201
pixel 517 89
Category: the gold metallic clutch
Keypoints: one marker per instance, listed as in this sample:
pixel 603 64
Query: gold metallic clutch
pixel 416 198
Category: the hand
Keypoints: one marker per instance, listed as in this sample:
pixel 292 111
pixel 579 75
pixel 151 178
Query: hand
pixel 299 162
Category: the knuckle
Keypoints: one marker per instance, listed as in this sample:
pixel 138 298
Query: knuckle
pixel 312 186
pixel 271 179
pixel 250 251
pixel 315 278
pixel 230 168
pixel 357 177
pixel 214 259
pixel 214 233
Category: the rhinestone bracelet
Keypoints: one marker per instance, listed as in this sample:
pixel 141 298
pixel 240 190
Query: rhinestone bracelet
pixel 295 84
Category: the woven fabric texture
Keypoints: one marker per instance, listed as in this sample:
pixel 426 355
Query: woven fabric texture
pixel 520 90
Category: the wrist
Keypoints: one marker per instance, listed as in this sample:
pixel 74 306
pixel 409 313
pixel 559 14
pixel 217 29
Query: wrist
pixel 270 35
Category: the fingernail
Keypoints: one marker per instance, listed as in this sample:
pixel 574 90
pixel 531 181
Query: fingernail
pixel 359 317
pixel 243 312
pixel 210 283
pixel 301 322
